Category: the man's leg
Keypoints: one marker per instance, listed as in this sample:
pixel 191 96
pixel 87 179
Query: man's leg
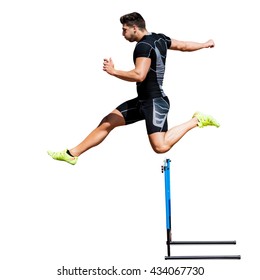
pixel 162 142
pixel 112 120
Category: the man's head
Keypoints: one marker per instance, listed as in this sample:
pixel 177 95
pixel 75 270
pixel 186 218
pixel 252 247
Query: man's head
pixel 133 26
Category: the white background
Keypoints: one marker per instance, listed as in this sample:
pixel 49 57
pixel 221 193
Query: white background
pixel 109 208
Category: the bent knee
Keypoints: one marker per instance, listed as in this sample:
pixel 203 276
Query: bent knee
pixel 158 142
pixel 160 149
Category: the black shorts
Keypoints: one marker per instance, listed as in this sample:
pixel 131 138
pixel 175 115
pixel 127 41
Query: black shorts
pixel 153 111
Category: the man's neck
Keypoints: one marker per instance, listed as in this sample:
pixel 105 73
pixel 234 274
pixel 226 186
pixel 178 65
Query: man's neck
pixel 141 34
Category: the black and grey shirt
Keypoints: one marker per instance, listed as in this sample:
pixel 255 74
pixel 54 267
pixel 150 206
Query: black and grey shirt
pixel 152 46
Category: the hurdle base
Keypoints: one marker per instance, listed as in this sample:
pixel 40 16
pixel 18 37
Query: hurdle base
pixel 232 242
pixel 201 257
pixel 209 257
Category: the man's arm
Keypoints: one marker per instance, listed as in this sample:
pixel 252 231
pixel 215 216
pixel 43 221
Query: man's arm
pixel 186 46
pixel 138 74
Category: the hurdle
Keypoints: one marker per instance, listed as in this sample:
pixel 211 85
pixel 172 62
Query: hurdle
pixel 170 242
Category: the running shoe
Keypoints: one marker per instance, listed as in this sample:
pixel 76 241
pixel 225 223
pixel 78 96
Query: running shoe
pixel 63 156
pixel 205 120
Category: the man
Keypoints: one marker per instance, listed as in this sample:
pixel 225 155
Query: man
pixel 151 103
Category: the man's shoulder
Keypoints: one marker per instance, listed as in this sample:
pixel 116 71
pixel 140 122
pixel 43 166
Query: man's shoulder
pixel 149 41
pixel 152 37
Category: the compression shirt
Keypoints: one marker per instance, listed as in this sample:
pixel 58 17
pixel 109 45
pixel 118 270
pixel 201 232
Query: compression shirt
pixel 153 46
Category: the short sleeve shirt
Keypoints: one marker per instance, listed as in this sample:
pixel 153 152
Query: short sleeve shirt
pixel 153 46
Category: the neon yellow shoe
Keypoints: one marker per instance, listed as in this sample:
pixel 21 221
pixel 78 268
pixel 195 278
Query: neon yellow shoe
pixel 205 120
pixel 64 156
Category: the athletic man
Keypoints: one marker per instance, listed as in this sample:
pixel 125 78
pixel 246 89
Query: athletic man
pixel 151 103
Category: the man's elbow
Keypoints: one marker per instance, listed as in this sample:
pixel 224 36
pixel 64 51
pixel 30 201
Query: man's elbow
pixel 140 77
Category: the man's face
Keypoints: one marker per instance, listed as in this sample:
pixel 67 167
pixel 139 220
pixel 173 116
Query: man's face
pixel 129 32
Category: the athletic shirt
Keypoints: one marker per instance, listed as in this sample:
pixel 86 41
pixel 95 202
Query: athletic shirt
pixel 153 46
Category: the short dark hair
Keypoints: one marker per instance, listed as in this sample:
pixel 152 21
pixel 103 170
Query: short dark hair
pixel 133 19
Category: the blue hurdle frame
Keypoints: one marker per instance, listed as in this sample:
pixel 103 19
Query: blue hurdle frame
pixel 169 242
